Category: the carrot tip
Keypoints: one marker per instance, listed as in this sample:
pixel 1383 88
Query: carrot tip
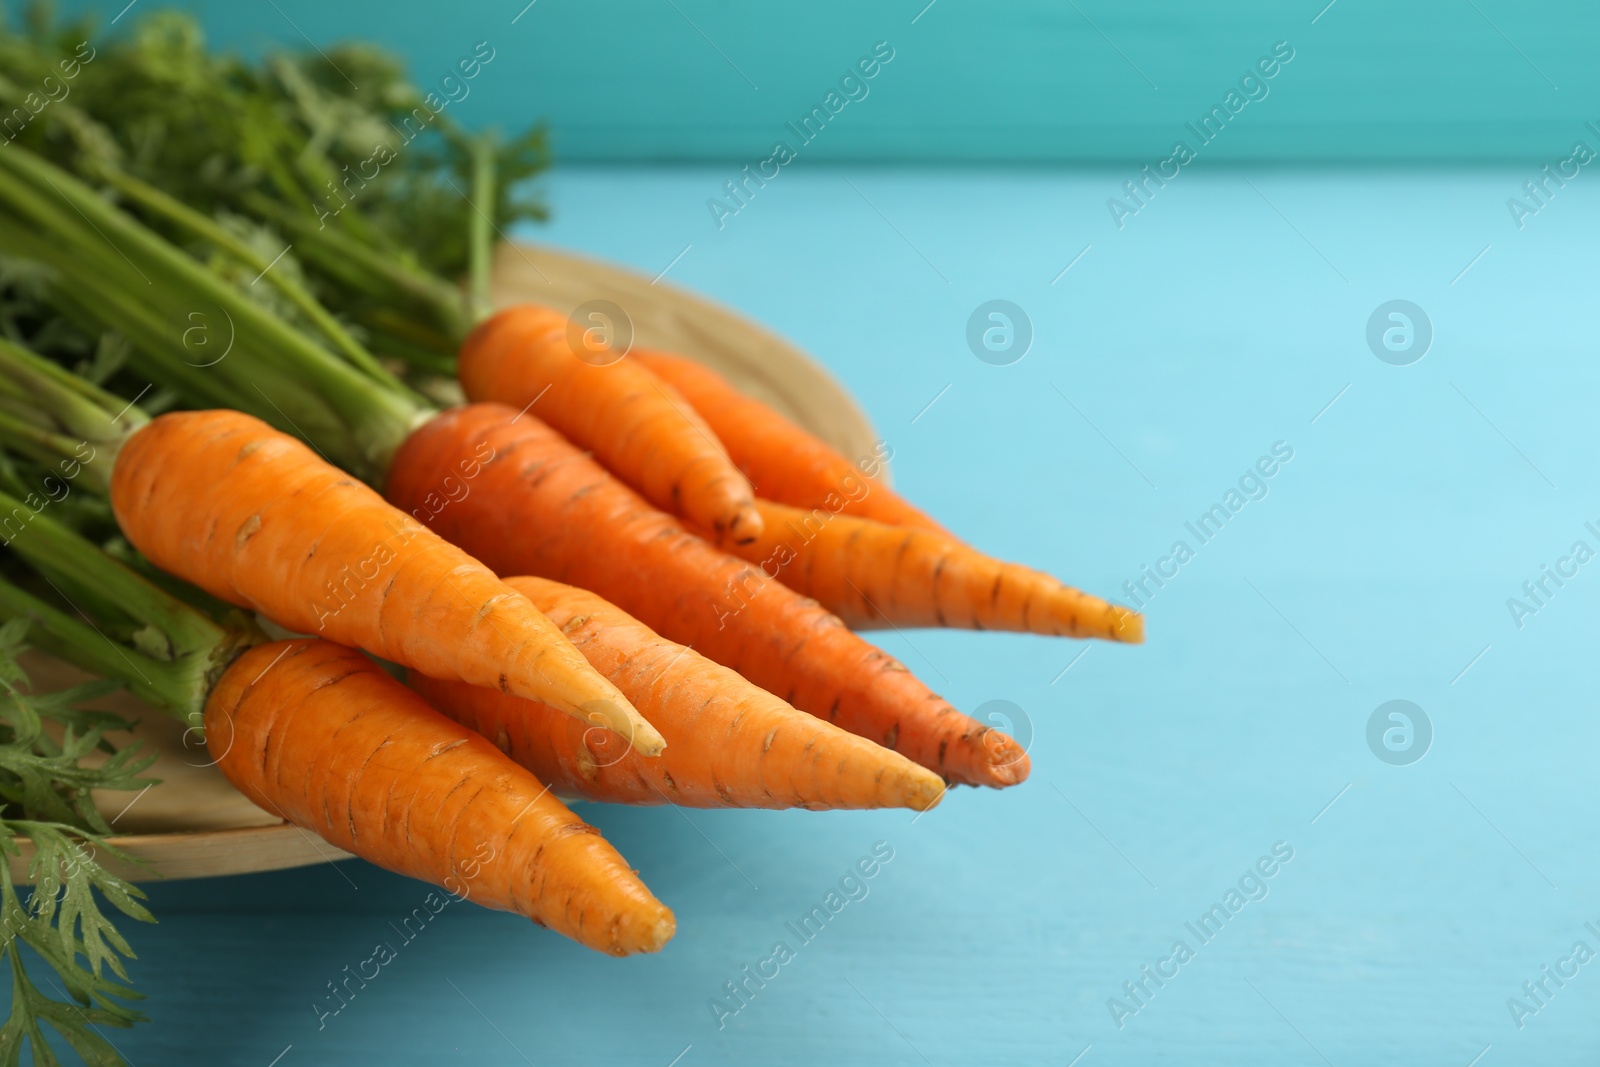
pixel 746 526
pixel 626 724
pixel 646 744
pixel 644 933
pixel 1004 761
pixel 1128 627
pixel 927 796
pixel 1010 773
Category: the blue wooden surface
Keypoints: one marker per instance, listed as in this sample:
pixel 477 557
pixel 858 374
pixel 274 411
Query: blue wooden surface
pixel 1174 353
pixel 1035 80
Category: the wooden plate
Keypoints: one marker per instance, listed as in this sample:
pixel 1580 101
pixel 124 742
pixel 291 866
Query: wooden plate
pixel 194 824
pixel 758 361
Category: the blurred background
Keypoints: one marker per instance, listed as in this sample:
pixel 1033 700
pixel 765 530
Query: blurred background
pixel 1017 82
pixel 1375 257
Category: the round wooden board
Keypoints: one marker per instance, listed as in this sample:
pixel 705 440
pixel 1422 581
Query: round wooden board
pixel 759 362
pixel 194 824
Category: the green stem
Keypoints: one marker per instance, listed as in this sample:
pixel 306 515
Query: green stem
pixel 392 321
pixel 364 268
pixel 53 415
pixel 181 651
pixel 422 357
pixel 112 291
pixel 56 450
pixel 80 405
pixel 95 295
pixel 91 603
pixel 377 418
pixel 174 211
pixel 480 236
pixel 47 544
pixel 101 284
pixel 177 588
pixel 180 686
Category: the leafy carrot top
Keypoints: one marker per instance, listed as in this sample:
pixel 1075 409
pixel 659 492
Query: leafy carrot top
pixel 45 788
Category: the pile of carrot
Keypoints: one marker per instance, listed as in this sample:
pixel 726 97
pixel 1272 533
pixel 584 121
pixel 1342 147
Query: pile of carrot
pixel 619 580
pixel 611 578
pixel 685 570
pixel 607 576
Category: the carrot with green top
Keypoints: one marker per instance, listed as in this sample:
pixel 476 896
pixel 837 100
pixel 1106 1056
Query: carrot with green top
pixel 528 357
pixel 783 462
pixel 540 506
pixel 322 736
pixel 729 743
pixel 254 517
pixel 871 575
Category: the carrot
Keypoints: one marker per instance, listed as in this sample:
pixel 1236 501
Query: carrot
pixel 783 462
pixel 871 574
pixel 729 743
pixel 321 735
pixel 540 506
pixel 253 517
pixel 637 426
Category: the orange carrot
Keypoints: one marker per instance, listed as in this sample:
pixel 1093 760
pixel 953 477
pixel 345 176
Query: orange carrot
pixel 540 506
pixel 322 736
pixel 871 574
pixel 729 743
pixel 636 425
pixel 253 517
pixel 784 462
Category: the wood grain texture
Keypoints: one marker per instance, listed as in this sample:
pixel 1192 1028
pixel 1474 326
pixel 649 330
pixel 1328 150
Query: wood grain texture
pixel 1193 341
pixel 754 358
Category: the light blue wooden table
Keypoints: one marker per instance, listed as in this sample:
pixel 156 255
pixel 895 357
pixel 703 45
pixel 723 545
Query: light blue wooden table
pixel 1229 315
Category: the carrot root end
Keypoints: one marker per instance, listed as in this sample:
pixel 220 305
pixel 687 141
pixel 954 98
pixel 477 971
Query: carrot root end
pixel 1128 627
